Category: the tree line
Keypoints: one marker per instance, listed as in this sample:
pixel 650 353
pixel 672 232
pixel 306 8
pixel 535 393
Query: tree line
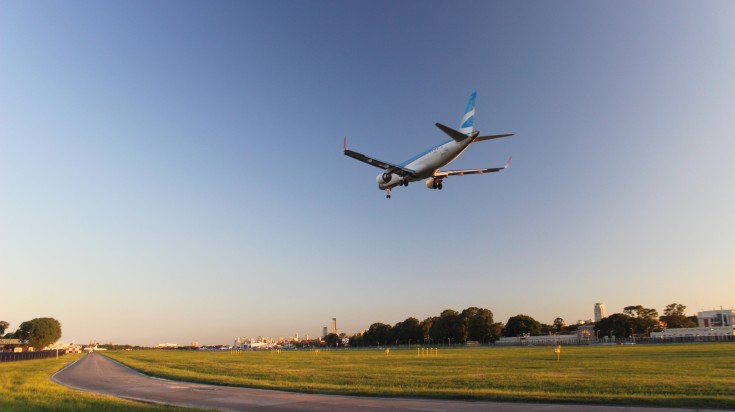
pixel 477 324
pixel 639 320
pixel 472 324
pixel 37 333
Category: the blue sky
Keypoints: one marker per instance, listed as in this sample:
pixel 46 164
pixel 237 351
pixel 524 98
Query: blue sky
pixel 172 171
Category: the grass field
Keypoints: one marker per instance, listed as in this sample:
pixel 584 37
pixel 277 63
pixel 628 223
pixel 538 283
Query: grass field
pixel 27 386
pixel 686 375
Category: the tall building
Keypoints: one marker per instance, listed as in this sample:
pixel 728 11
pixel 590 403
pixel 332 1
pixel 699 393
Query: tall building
pixel 334 325
pixel 599 312
pixel 324 332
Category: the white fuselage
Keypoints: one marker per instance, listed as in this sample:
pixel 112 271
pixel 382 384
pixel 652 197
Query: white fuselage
pixel 427 163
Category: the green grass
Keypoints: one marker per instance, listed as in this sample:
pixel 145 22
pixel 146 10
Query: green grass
pixel 27 386
pixel 692 375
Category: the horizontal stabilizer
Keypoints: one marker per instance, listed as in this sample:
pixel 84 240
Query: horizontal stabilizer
pixel 495 136
pixel 454 134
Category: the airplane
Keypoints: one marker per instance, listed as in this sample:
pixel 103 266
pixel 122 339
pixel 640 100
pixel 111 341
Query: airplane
pixel 426 165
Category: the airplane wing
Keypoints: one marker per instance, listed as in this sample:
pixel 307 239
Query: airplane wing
pixel 390 167
pixel 446 173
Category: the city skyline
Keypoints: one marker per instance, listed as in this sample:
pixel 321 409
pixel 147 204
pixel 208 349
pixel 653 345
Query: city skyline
pixel 178 176
pixel 298 336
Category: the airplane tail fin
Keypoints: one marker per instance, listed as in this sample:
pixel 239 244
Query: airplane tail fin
pixel 468 120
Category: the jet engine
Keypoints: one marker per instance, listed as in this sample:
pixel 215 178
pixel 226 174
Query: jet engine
pixel 387 177
pixel 433 183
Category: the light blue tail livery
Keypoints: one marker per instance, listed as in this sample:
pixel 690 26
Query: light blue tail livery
pixel 468 120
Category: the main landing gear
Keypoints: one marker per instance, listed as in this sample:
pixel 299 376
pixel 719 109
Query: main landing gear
pixel 400 183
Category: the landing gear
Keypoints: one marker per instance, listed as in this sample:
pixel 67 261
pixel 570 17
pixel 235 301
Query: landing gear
pixel 403 182
pixel 387 196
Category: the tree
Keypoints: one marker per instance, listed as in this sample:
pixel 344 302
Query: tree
pixel 426 325
pixel 332 340
pixel 479 323
pixel 3 325
pixel 559 325
pixel 496 330
pixel 522 324
pixel 674 317
pixel 618 325
pixel 408 331
pixel 379 334
pixel 449 325
pixel 644 319
pixel 357 340
pixel 547 329
pixel 639 311
pixel 40 332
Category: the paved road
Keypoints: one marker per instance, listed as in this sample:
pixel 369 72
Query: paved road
pixel 100 374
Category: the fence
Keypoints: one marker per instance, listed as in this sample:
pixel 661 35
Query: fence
pixel 19 356
pixel 610 341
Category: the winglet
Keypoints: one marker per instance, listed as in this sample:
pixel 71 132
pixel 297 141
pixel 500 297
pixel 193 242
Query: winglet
pixel 508 162
pixel 344 145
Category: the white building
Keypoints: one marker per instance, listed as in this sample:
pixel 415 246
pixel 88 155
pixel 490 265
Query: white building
pixel 599 312
pixel 720 317
pixel 712 323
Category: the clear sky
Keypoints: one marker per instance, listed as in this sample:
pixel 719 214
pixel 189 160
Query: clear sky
pixel 172 171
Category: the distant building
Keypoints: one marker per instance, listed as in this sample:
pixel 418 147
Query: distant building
pixel 584 322
pixel 334 325
pixel 710 318
pixel 66 347
pixel 324 332
pixel 586 331
pixel 599 312
pixel 712 323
